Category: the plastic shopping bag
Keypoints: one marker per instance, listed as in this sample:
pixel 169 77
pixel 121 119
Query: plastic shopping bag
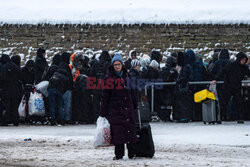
pixel 102 137
pixel 22 107
pixel 213 89
pixel 36 104
pixel 42 87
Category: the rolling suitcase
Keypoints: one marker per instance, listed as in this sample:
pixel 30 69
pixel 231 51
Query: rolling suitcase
pixel 145 113
pixel 210 112
pixel 145 146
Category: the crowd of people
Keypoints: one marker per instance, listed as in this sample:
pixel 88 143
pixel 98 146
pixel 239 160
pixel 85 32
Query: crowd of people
pixel 71 101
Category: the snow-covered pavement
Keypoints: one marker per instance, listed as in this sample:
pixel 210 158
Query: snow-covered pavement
pixel 191 144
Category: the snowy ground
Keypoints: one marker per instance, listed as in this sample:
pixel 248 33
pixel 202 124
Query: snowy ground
pixel 192 144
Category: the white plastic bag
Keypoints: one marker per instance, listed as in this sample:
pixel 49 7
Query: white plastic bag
pixel 102 137
pixel 21 108
pixel 42 87
pixel 212 88
pixel 36 104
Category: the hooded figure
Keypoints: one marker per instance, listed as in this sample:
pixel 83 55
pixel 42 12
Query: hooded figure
pixel 221 63
pixel 234 73
pixel 131 56
pixel 52 68
pixel 181 107
pixel 156 56
pixel 85 69
pixel 98 71
pixel 9 80
pixel 28 73
pixel 82 102
pixel 40 65
pixel 17 60
pixel 168 74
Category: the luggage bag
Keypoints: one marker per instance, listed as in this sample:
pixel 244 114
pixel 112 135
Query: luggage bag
pixel 145 146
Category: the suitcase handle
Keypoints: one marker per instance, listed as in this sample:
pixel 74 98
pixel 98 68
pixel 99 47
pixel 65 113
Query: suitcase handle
pixel 139 116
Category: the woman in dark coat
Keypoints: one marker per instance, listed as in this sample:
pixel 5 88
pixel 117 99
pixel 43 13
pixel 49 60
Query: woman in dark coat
pixel 40 65
pixel 181 107
pixel 118 105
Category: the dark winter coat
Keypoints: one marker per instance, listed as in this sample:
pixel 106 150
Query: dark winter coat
pixel 65 66
pixel 1 65
pixel 192 58
pixel 128 63
pixel 184 75
pixel 10 89
pixel 27 75
pixel 181 107
pixel 234 73
pixel 81 101
pixel 50 71
pixel 198 71
pixel 40 65
pixel 118 106
pixel 59 80
pixel 99 70
pixel 10 75
pixel 135 75
pixel 168 74
pixel 220 64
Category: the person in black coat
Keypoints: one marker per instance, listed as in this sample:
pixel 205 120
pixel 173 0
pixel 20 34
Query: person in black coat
pixel 168 74
pixel 234 73
pixel 64 64
pixel 28 73
pixel 155 55
pixel 218 66
pixel 17 60
pixel 182 101
pixel 57 87
pixel 152 74
pixel 9 79
pixel 85 69
pixel 81 102
pixel 52 68
pixel 98 71
pixel 135 75
pixel 40 65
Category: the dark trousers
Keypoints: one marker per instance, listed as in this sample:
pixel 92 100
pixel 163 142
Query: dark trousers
pixel 10 102
pixel 238 102
pixel 119 150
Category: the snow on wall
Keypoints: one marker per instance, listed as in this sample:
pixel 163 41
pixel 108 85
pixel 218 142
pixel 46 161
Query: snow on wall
pixel 124 12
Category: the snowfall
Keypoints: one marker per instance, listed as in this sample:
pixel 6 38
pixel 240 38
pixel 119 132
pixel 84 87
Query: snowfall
pixel 176 144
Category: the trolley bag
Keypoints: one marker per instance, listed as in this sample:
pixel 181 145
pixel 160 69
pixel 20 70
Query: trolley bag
pixel 145 146
pixel 210 112
pixel 144 109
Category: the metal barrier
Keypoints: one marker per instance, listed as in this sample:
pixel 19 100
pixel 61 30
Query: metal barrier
pixel 173 83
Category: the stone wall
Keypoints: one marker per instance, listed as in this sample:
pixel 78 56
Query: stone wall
pixel 25 39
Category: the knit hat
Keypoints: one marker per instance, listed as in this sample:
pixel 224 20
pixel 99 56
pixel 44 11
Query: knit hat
pixel 117 57
pixel 135 63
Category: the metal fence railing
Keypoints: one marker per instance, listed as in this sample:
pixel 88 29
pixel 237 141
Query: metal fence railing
pixel 173 83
